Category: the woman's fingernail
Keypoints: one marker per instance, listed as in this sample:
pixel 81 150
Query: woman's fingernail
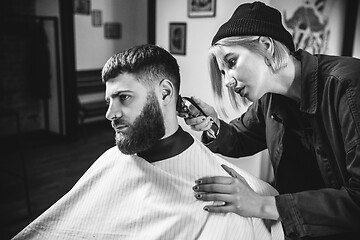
pixel 198 181
pixel 206 209
pixel 196 188
pixel 198 195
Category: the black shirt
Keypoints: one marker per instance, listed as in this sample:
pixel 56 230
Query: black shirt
pixel 298 169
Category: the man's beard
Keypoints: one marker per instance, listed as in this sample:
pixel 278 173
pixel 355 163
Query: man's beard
pixel 145 131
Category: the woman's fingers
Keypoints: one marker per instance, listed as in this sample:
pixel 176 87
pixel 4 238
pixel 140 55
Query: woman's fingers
pixel 234 192
pixel 218 184
pixel 219 208
pixel 215 180
pixel 234 174
pixel 214 188
pixel 230 171
pixel 201 123
pixel 206 108
pixel 226 198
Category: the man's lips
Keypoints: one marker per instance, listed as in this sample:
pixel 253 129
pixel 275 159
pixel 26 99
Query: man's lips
pixel 119 128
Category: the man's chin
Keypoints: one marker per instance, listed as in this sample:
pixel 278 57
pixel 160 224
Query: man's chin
pixel 127 150
pixel 126 146
pixel 119 136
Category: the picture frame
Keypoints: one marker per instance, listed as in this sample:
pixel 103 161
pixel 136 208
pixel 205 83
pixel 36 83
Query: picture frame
pixel 112 30
pixel 201 8
pixel 177 38
pixel 96 18
pixel 82 7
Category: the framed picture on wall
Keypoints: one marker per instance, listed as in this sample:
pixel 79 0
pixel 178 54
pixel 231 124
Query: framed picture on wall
pixel 112 30
pixel 177 40
pixel 201 8
pixel 82 7
pixel 96 18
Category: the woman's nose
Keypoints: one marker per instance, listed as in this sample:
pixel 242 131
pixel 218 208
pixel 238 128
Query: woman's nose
pixel 230 82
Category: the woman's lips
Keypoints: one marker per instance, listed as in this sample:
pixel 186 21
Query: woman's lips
pixel 240 91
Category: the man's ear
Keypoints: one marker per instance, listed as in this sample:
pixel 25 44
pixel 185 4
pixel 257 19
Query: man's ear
pixel 167 90
pixel 267 43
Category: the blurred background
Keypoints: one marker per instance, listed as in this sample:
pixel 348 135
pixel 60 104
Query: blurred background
pixel 52 109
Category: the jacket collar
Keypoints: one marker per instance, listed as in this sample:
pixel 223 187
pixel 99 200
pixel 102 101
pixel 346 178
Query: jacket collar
pixel 309 81
pixel 168 147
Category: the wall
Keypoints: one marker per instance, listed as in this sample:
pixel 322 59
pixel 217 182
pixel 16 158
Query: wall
pixel 318 26
pixel 50 8
pixel 47 8
pixel 92 49
pixel 193 65
pixel 25 76
pixel 356 50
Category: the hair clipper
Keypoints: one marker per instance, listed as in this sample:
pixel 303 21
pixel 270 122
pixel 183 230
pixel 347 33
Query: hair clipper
pixel 186 105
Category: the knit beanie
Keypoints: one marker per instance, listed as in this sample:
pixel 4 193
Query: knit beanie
pixel 255 19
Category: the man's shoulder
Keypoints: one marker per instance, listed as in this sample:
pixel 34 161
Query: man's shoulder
pixel 110 156
pixel 111 159
pixel 111 152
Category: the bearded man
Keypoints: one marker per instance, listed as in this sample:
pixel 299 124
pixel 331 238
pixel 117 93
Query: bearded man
pixel 142 187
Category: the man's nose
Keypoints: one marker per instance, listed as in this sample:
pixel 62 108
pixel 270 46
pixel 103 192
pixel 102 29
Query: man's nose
pixel 113 112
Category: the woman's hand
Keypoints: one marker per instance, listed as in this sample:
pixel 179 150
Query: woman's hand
pixel 237 195
pixel 203 123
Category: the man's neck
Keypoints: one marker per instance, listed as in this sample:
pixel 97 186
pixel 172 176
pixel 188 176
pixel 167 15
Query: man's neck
pixel 171 124
pixel 168 147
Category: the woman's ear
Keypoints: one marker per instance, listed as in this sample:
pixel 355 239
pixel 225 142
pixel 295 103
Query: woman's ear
pixel 267 43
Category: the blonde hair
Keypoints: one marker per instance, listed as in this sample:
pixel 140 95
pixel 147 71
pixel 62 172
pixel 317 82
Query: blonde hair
pixel 276 61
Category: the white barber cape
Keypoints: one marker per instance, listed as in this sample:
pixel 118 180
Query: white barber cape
pixel 127 197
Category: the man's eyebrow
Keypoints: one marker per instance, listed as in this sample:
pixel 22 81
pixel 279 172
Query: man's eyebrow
pixel 116 94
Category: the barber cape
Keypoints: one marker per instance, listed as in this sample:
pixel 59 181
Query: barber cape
pixel 127 197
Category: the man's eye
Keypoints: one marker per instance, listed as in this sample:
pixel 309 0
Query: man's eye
pixel 123 98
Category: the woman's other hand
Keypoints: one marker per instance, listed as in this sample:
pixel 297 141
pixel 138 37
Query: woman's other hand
pixel 237 195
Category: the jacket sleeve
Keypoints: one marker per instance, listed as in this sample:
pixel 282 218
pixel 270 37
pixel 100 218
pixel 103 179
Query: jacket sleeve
pixel 243 136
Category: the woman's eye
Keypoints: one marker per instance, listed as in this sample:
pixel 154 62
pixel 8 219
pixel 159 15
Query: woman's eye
pixel 231 62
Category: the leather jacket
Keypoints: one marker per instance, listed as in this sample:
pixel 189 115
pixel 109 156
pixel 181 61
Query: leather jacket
pixel 330 97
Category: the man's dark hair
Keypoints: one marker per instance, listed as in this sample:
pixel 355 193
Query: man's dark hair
pixel 149 63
